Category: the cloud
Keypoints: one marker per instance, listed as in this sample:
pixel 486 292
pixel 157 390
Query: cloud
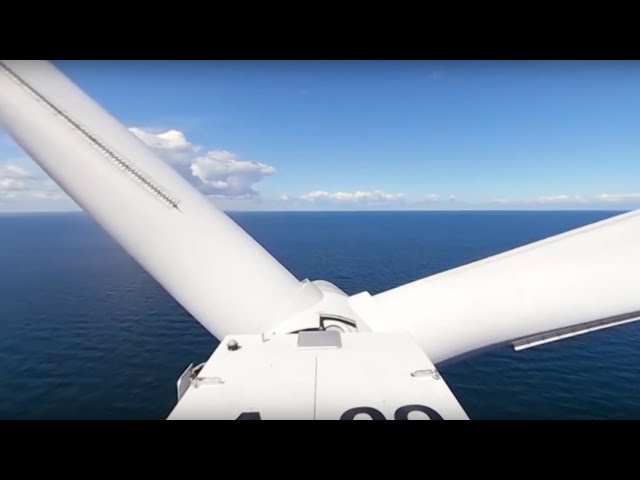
pixel 223 175
pixel 13 178
pixel 18 184
pixel 548 199
pixel 44 195
pixel 619 197
pixel 218 173
pixel 542 200
pixel 432 197
pixel 12 185
pixel 561 199
pixel 376 196
pixel 15 172
pixel 423 200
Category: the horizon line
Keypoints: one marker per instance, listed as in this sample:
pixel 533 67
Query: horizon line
pixel 66 212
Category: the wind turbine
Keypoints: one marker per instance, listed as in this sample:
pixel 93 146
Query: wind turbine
pixel 294 349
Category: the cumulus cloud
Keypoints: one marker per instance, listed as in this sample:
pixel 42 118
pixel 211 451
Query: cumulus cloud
pixel 171 145
pixel 218 173
pixel 221 173
pixel 376 196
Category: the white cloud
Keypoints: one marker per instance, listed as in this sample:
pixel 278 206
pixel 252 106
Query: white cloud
pixel 13 178
pixel 52 194
pixel 424 199
pixel 619 197
pixel 222 174
pixel 561 199
pixel 15 172
pixel 171 145
pixel 548 199
pixel 355 197
pixel 316 195
pixel 433 197
pixel 18 184
pixel 12 185
pixel 218 173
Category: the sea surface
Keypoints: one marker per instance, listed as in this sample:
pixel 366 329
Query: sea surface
pixel 85 333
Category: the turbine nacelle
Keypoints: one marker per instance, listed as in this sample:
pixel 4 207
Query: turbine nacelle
pixel 325 375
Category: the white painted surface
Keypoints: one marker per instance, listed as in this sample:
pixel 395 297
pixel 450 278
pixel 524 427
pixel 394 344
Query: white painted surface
pixel 259 377
pixel 282 381
pixel 375 371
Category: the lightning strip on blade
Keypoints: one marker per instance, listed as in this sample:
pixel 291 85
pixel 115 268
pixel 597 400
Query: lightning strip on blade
pixel 140 178
pixel 562 333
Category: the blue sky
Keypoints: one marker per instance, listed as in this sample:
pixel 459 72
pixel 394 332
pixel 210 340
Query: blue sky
pixel 372 135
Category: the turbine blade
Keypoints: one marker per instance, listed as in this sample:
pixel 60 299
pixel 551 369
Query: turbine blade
pixel 580 281
pixel 215 270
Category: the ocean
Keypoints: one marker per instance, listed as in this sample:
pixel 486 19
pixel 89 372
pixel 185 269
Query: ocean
pixel 85 333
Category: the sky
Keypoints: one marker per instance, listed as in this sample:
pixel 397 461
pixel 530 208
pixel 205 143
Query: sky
pixel 370 135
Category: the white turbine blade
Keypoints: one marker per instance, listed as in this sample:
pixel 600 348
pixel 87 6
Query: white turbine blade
pixel 573 283
pixel 217 272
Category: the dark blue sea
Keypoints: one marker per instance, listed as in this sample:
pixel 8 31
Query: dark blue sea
pixel 85 333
